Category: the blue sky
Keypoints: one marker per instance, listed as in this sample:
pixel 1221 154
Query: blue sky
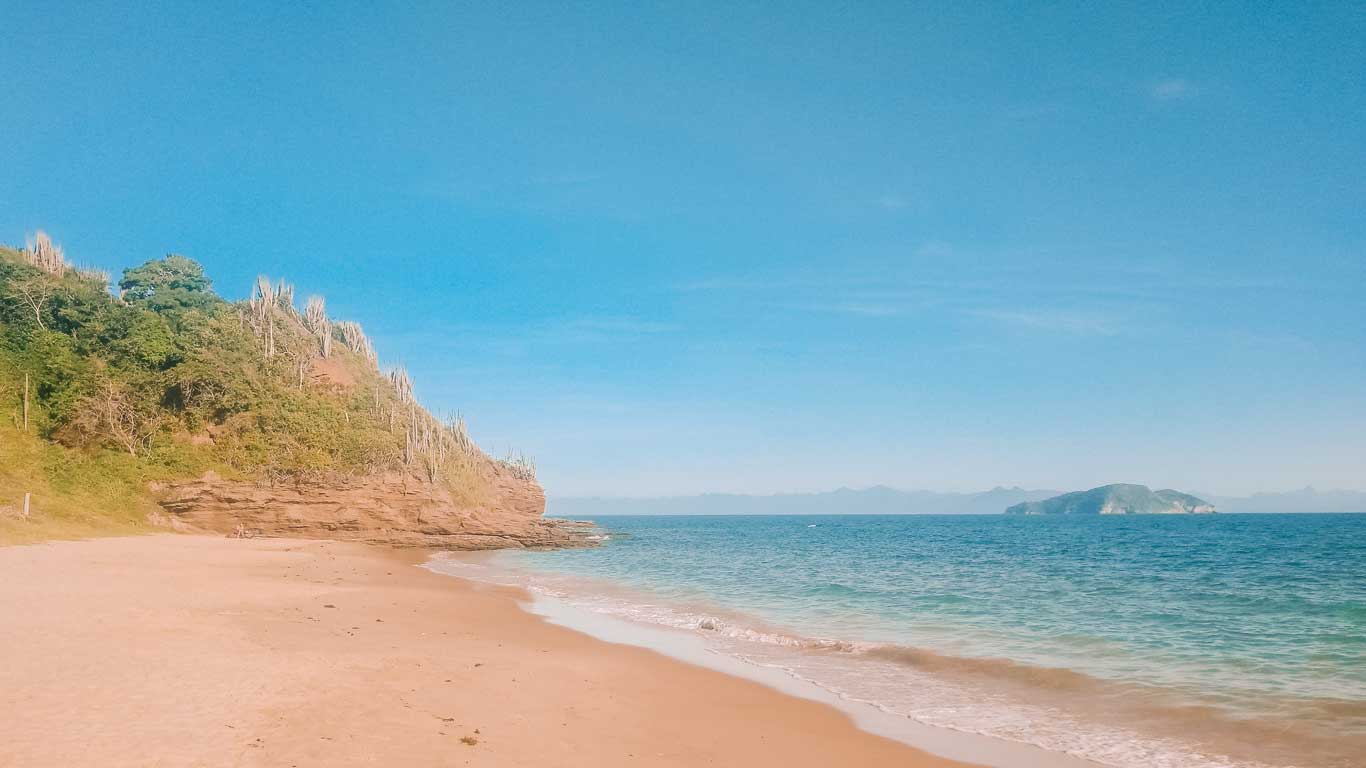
pixel 673 248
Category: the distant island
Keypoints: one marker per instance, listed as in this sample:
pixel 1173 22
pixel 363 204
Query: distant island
pixel 1116 499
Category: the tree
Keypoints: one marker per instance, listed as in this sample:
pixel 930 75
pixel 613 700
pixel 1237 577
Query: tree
pixel 32 292
pixel 170 285
pixel 140 338
pixel 59 375
pixel 120 416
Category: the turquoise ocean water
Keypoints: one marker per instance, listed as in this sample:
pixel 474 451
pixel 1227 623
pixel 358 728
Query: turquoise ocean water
pixel 1203 640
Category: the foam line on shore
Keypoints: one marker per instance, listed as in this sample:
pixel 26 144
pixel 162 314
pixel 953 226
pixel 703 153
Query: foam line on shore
pixel 950 744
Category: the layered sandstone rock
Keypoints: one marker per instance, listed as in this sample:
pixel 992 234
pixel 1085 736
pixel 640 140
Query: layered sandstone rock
pixel 394 508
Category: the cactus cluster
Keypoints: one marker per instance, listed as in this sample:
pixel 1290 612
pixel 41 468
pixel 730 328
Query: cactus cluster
pixel 403 385
pixel 318 324
pixel 430 444
pixel 520 465
pixel 41 252
pixel 354 339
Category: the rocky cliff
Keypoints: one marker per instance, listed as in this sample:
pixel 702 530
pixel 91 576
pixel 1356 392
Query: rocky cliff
pixel 394 508
pixel 1117 499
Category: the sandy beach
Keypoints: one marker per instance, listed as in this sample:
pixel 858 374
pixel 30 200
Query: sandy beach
pixel 198 651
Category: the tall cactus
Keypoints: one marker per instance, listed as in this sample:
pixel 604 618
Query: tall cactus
pixel 316 321
pixel 284 297
pixel 41 252
pixel 403 385
pixel 354 339
pixel 261 306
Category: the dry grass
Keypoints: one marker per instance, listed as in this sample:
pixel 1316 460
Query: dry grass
pixel 469 487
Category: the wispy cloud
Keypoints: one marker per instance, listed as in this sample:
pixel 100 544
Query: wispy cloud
pixel 615 326
pixel 566 179
pixel 1063 294
pixel 518 339
pixel 935 249
pixel 1030 113
pixel 862 308
pixel 893 202
pixel 791 282
pixel 1076 323
pixel 554 192
pixel 1172 89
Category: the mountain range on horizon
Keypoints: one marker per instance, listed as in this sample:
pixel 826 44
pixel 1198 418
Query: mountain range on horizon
pixel 885 500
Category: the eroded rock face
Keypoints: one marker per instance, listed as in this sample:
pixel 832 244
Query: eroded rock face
pixel 394 508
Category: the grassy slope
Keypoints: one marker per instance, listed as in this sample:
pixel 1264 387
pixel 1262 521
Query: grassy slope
pixel 72 494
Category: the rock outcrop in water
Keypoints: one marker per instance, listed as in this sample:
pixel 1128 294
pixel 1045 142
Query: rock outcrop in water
pixel 1117 499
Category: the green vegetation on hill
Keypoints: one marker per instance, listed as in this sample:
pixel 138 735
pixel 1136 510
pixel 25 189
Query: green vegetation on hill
pixel 101 394
pixel 1116 499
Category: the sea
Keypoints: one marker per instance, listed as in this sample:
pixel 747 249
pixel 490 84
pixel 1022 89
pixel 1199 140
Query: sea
pixel 1145 641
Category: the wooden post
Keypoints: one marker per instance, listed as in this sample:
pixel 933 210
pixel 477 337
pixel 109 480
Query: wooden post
pixel 25 402
pixel 26 497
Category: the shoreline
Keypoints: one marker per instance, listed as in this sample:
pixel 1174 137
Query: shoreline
pixel 693 648
pixel 950 744
pixel 187 650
